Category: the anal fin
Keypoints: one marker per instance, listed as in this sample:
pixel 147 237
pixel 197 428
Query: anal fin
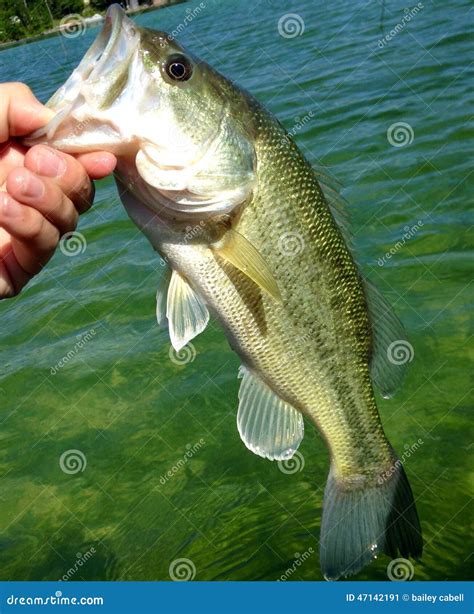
pixel 268 426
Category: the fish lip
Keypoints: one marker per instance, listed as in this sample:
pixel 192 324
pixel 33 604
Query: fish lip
pixel 110 47
pixel 106 49
pixel 117 29
pixel 102 47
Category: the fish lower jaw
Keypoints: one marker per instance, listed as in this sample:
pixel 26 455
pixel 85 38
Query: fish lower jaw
pixel 120 148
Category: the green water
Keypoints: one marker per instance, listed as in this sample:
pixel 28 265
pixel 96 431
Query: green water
pixel 133 413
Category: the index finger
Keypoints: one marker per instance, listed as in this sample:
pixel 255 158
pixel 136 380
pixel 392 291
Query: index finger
pixel 20 111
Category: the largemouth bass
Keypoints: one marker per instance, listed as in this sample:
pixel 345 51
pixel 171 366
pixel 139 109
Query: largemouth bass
pixel 250 236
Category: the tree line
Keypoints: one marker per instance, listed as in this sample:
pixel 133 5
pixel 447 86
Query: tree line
pixel 22 18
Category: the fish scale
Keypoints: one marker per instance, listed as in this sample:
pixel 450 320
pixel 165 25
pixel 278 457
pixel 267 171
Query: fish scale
pixel 319 380
pixel 194 151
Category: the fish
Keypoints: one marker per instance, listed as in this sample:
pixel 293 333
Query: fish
pixel 258 238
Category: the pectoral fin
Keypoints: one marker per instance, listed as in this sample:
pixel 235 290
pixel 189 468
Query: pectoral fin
pixel 187 314
pixel 267 425
pixel 238 250
pixel 162 297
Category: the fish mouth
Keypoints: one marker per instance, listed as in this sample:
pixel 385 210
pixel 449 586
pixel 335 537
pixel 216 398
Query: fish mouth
pixel 89 85
pixel 110 48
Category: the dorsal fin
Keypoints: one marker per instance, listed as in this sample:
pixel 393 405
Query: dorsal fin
pixel 388 336
pixel 338 205
pixel 391 352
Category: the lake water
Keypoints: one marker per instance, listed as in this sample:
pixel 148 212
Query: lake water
pixel 85 368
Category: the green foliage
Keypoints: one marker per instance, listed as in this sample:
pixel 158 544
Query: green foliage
pixel 60 8
pixel 102 5
pixel 23 18
pixel 18 19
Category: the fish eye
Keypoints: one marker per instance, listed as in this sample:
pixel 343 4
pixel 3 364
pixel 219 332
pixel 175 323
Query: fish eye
pixel 178 68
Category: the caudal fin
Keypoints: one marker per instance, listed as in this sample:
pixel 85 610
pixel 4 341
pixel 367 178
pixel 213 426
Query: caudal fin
pixel 360 522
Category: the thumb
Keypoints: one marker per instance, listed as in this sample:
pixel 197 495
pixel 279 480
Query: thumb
pixel 20 111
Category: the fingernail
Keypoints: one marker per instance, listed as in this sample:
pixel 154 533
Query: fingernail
pixel 104 158
pixel 30 185
pixel 50 163
pixel 9 207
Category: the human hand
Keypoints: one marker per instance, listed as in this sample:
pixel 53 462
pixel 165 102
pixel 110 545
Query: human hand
pixel 42 191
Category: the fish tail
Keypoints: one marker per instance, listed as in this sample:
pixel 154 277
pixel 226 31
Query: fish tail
pixel 361 521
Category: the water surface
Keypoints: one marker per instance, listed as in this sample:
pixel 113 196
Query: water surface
pixel 85 367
